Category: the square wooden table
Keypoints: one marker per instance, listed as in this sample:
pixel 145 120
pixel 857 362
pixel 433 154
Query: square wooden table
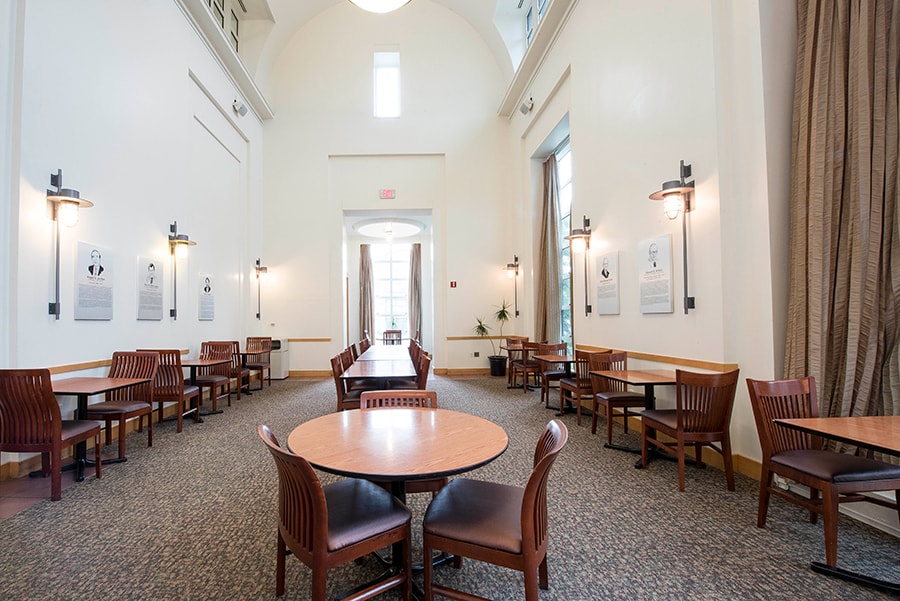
pixel 82 388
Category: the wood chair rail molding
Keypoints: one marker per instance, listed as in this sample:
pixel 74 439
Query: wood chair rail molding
pixel 71 367
pixel 679 361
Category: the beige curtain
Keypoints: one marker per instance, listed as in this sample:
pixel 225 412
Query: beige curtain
pixel 547 311
pixel 366 294
pixel 415 292
pixel 845 276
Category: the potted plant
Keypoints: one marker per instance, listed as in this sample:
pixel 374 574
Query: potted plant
pixel 502 315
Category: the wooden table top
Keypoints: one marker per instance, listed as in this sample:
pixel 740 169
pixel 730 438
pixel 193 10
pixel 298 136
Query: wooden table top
pixel 203 362
pixel 639 377
pixel 398 443
pixel 382 352
pixel 380 369
pixel 881 432
pixel 93 385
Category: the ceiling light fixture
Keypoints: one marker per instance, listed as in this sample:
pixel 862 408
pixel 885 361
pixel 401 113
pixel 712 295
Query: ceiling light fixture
pixel 379 6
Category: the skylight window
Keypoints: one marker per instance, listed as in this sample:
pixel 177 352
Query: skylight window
pixel 387 85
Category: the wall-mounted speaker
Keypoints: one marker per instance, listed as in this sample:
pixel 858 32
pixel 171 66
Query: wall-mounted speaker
pixel 239 107
pixel 526 106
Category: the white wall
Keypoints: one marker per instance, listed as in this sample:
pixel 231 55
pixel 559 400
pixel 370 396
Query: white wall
pixel 150 138
pixel 643 88
pixel 326 153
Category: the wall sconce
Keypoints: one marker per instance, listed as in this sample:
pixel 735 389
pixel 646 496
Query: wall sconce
pixel 260 268
pixel 580 242
pixel 512 272
pixel 178 244
pixel 677 196
pixel 65 202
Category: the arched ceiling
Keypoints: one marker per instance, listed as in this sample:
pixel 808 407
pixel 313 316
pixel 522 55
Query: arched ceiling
pixel 499 22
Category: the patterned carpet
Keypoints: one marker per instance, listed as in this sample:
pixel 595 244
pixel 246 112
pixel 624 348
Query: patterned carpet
pixel 194 518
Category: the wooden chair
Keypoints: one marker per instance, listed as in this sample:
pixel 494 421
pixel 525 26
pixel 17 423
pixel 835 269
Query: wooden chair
pixel 259 349
pixel 610 394
pixel 236 371
pixel 217 378
pixel 346 398
pixel 527 365
pixel 513 346
pixel 392 337
pixel 323 530
pixel 550 372
pixel 127 403
pixel 30 422
pixel 832 478
pixel 495 523
pixel 169 387
pixel 702 416
pixel 574 389
pixel 422 399
pixel 420 382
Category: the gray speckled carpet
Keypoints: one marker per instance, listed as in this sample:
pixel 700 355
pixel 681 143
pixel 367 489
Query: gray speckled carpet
pixel 195 518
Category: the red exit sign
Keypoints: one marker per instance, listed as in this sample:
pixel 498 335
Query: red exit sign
pixel 387 194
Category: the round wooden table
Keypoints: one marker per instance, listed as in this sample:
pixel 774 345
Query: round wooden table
pixel 398 444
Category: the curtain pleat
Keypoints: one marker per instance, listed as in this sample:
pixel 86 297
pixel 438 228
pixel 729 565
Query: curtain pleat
pixel 415 291
pixel 547 324
pixel 366 294
pixel 844 306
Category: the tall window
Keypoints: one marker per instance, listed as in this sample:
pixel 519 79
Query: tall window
pixel 533 16
pixel 387 85
pixel 233 34
pixel 564 167
pixel 390 272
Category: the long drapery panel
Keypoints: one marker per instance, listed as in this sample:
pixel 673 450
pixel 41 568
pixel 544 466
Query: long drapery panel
pixel 366 294
pixel 547 311
pixel 415 291
pixel 845 278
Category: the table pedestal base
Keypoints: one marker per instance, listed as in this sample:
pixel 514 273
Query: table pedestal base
pixel 861 579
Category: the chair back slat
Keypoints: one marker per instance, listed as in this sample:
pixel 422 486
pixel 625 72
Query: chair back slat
pixel 535 517
pixel 260 347
pixel 217 350
pixel 783 399
pixel 169 383
pixel 374 399
pixel 302 509
pixel 134 364
pixel 608 362
pixel 704 401
pixel 29 412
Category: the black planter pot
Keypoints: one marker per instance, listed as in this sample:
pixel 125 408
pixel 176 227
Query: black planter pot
pixel 498 365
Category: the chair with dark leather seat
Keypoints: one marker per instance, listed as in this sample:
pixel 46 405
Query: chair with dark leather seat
pixel 702 417
pixel 259 353
pixel 495 523
pixel 133 401
pixel 31 422
pixel 551 372
pixel 169 387
pixel 392 337
pixel 347 398
pixel 832 477
pixel 331 525
pixel 217 378
pixel 612 394
pixel 236 371
pixel 577 387
pixel 420 399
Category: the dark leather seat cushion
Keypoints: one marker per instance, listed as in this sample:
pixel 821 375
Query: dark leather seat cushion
pixel 359 509
pixel 115 407
pixel 207 379
pixel 76 428
pixel 553 374
pixel 487 514
pixel 836 467
pixel 620 396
